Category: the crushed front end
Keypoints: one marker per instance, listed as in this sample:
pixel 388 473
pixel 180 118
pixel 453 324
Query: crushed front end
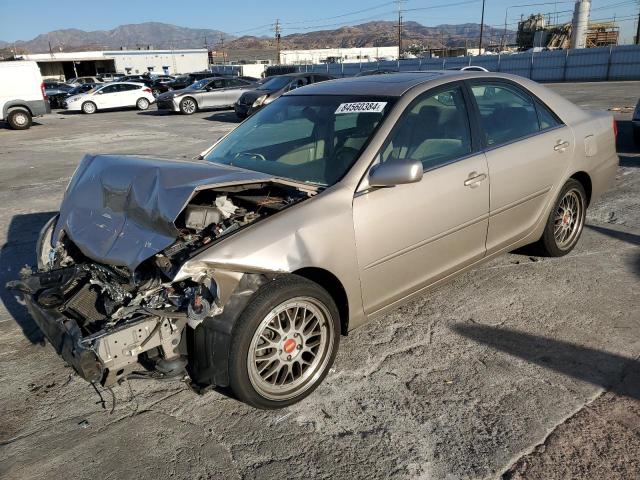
pixel 110 320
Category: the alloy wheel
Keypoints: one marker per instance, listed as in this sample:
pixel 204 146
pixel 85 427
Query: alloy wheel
pixel 569 219
pixel 290 348
pixel 188 106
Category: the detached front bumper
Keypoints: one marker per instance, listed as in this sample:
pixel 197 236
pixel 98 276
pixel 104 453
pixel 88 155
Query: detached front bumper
pixel 65 336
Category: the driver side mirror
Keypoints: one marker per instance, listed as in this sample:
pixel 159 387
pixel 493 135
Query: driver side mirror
pixel 396 172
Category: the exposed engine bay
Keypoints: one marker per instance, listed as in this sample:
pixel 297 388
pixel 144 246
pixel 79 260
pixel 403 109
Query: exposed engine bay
pixel 113 322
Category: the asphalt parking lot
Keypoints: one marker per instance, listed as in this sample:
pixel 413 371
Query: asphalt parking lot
pixel 504 369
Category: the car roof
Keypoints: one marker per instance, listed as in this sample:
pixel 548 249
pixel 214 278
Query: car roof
pixel 393 84
pixel 397 84
pixel 122 83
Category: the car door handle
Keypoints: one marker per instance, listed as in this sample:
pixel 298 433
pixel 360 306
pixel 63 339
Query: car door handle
pixel 474 179
pixel 561 146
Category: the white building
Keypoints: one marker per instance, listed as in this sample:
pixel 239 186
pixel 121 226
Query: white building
pixel 338 55
pixel 65 65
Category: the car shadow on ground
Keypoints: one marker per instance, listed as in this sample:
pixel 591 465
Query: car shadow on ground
pixel 224 117
pixel 628 150
pixel 157 113
pixel 5 125
pixel 597 367
pixel 627 237
pixel 18 251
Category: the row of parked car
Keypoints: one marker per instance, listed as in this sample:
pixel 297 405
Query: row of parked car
pixel 185 94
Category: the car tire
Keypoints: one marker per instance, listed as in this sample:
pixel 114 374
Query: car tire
pixel 188 106
pixel 19 119
pixel 142 103
pixel 298 357
pixel 89 108
pixel 566 221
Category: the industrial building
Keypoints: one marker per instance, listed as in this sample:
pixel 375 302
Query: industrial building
pixel 338 55
pixel 65 65
pixel 537 31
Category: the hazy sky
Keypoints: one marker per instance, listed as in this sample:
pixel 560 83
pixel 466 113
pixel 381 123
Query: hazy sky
pixel 24 19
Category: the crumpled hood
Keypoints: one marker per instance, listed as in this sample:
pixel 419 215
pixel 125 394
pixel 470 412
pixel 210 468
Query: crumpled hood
pixel 120 210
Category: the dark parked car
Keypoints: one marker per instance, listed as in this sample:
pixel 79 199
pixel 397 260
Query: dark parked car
pixel 635 123
pixel 54 90
pixel 183 81
pixel 272 88
pixel 57 100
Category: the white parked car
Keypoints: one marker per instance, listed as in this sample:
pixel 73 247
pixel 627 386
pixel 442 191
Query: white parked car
pixel 22 94
pixel 111 95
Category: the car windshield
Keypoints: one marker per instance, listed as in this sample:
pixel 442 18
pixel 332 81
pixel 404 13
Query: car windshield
pixel 275 83
pixel 200 84
pixel 312 139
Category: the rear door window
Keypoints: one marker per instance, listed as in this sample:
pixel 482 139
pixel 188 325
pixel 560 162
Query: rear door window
pixel 507 113
pixel 546 118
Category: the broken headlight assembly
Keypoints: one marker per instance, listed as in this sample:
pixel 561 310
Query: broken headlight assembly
pixel 110 322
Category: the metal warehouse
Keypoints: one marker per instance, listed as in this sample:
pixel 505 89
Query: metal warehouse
pixel 65 65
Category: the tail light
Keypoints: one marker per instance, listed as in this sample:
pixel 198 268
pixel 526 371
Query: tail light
pixel 148 90
pixel 44 94
pixel 615 128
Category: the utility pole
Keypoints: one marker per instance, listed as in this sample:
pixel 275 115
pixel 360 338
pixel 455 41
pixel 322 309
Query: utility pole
pixel 399 2
pixel 224 57
pixel 638 30
pixel 50 49
pixel 278 31
pixel 481 29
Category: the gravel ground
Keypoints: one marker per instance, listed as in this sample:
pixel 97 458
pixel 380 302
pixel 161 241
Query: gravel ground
pixel 501 370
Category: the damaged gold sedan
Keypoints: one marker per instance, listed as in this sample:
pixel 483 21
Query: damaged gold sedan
pixel 332 205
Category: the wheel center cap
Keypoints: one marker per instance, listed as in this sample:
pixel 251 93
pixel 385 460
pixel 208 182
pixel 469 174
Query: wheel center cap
pixel 566 219
pixel 289 345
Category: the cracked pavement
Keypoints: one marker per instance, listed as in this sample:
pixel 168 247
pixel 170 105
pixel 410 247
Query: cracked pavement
pixel 458 384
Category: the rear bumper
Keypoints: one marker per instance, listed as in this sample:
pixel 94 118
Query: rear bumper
pixel 65 336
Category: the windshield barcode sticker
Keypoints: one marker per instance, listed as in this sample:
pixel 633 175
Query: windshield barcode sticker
pixel 360 107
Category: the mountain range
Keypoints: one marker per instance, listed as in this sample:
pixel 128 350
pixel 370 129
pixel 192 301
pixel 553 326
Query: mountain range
pixel 162 35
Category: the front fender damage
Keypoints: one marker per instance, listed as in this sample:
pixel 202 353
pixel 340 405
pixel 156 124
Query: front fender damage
pixel 209 342
pixel 111 319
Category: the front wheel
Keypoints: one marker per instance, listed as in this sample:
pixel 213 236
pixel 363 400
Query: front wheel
pixel 142 104
pixel 188 106
pixel 284 343
pixel 565 221
pixel 89 108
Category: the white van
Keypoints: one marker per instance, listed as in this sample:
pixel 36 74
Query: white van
pixel 22 94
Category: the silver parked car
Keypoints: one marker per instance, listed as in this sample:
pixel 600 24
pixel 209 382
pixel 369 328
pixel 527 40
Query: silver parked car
pixel 206 93
pixel 332 205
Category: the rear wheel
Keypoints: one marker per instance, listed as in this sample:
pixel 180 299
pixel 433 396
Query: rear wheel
pixel 188 106
pixel 284 343
pixel 89 108
pixel 565 221
pixel 142 104
pixel 19 119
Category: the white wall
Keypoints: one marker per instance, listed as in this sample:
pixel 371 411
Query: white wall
pixel 176 61
pixel 348 55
